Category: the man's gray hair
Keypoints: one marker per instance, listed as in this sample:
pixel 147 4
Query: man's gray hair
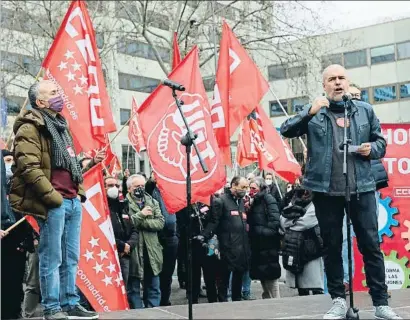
pixel 132 177
pixel 33 93
pixel 260 182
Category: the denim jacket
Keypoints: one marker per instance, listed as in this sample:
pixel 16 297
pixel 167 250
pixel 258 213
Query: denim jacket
pixel 365 127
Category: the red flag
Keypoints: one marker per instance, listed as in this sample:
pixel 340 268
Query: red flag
pixel 74 65
pixel 33 223
pixel 176 56
pixel 262 142
pixel 134 130
pixel 99 274
pixel 239 87
pixel 114 167
pixel 162 127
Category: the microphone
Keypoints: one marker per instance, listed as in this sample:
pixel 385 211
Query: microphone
pixel 347 97
pixel 173 85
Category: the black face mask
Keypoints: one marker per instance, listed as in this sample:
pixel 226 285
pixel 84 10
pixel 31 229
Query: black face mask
pixel 139 192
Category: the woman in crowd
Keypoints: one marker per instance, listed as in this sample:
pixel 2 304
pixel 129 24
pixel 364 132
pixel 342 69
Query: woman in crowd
pixel 263 220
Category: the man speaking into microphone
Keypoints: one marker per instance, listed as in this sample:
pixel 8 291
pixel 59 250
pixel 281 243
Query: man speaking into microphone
pixel 323 122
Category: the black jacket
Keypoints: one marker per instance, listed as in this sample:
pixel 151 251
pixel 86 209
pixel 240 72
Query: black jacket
pixel 124 230
pixel 228 222
pixel 379 174
pixel 263 220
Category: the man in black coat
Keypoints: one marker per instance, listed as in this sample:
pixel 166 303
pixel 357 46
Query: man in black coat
pixel 126 236
pixel 228 222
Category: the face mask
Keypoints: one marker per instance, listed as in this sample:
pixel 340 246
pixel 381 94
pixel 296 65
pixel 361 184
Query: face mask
pixel 113 192
pixel 9 173
pixel 56 104
pixel 253 193
pixel 139 192
pixel 268 182
pixel 240 193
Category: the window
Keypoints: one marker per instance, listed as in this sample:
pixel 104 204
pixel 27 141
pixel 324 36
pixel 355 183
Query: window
pixel 158 20
pixel 382 54
pixel 209 83
pixel 276 72
pixel 355 59
pixel 128 158
pixel 299 103
pixel 405 90
pixel 275 109
pixel 385 93
pixel 95 5
pixel 143 50
pixel 125 115
pixel 403 50
pixel 295 72
pixel 331 59
pixel 142 165
pixel 14 62
pixel 123 8
pixel 99 38
pixel 13 104
pixel 137 83
pixel 365 95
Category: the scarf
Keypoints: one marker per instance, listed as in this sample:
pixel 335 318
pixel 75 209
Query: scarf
pixel 337 106
pixel 61 140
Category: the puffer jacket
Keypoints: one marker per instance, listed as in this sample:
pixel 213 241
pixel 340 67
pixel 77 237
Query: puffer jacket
pixel 31 191
pixel 380 174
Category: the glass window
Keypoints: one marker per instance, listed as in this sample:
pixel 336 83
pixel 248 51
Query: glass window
pixel 158 20
pixel 355 59
pixel 137 83
pixel 128 153
pixel 142 165
pixel 295 72
pixel 405 90
pixel 365 95
pixel 382 54
pixel 299 103
pixel 386 93
pixel 125 114
pixel 276 72
pixel 275 109
pixel 403 50
pixel 10 62
pixel 99 38
pixel 13 104
pixel 331 59
pixel 209 83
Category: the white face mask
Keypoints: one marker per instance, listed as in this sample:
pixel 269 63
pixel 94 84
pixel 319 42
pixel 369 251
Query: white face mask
pixel 113 192
pixel 9 173
pixel 268 181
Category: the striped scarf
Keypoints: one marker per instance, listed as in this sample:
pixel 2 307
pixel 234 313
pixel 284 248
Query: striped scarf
pixel 61 139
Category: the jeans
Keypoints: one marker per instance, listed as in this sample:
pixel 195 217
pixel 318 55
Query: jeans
pixel 32 291
pixel 246 283
pixel 330 212
pixel 59 251
pixel 152 293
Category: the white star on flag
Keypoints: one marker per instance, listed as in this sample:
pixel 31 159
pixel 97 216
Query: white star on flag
pixel 70 76
pixel 94 242
pixel 76 66
pixel 78 89
pixel 88 255
pixel 111 267
pixel 69 54
pixel 118 281
pixel 103 254
pixel 107 280
pixel 98 268
pixel 83 80
pixel 62 65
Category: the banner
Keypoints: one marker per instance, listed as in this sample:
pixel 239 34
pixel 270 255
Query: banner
pixel 99 274
pixel 394 212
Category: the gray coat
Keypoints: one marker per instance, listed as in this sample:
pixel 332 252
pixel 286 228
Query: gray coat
pixel 312 276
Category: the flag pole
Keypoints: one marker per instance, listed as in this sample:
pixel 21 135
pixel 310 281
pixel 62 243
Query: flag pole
pixel 285 112
pixel 277 186
pixel 8 143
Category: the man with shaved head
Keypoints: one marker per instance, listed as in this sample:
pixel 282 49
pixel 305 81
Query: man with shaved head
pixel 323 122
pixel 47 183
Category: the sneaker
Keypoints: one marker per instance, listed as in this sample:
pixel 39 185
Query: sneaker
pixel 79 312
pixel 385 312
pixel 59 315
pixel 247 296
pixel 338 311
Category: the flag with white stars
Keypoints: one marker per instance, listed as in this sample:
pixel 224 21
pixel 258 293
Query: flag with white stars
pixel 99 274
pixel 74 65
